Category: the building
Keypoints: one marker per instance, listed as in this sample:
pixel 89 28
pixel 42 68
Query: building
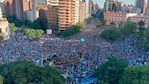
pixel 82 11
pixel 63 14
pixel 88 8
pixel 114 17
pixel 110 5
pixel 76 8
pixel 21 7
pixel 4 26
pixel 117 17
pixel 141 4
pixel 136 19
pixel 147 8
pixel 119 6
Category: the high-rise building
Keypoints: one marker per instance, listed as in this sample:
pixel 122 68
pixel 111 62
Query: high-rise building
pixel 4 26
pixel 88 8
pixel 142 4
pixel 82 11
pixel 110 5
pixel 76 7
pixel 21 7
pixel 53 15
pixel 9 7
pixel 64 11
pixel 147 8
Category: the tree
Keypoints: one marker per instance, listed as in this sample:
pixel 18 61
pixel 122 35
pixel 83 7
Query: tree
pixel 141 24
pixel 111 34
pixel 103 21
pixel 72 30
pixel 111 71
pixel 13 28
pixel 28 73
pixel 1 37
pixel 99 24
pixel 80 24
pixel 135 75
pixel 128 28
pixel 33 34
pixel 1 79
pixel 36 24
pixel 145 39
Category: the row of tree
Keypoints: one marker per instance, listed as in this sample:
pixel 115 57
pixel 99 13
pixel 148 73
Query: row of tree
pixel 33 33
pixel 114 33
pixel 117 71
pixel 72 30
pixel 36 24
pixel 29 73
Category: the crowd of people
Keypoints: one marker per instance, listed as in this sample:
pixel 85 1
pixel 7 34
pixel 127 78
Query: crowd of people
pixel 93 49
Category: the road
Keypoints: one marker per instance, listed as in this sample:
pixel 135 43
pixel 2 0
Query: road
pixel 91 27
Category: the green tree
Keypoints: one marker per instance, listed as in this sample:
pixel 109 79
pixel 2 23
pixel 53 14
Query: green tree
pixel 128 28
pixel 141 24
pixel 111 71
pixel 145 39
pixel 1 37
pixel 28 73
pixel 72 30
pixel 36 24
pixel 80 24
pixel 13 28
pixel 18 23
pixel 111 34
pixel 1 79
pixel 135 75
pixel 103 21
pixel 33 34
pixel 99 24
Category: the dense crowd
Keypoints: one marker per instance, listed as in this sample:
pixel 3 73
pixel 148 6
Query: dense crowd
pixel 93 49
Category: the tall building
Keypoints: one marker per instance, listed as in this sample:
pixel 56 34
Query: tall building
pixel 63 17
pixel 9 7
pixel 147 8
pixel 82 11
pixel 76 7
pixel 21 7
pixel 88 8
pixel 53 15
pixel 110 5
pixel 142 4
pixel 4 26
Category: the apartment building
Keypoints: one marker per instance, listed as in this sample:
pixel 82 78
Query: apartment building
pixel 114 17
pixel 4 26
pixel 60 14
pixel 117 17
pixel 82 11
pixel 136 19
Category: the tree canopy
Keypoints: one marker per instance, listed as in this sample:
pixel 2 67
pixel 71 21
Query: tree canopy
pixel 111 71
pixel 135 75
pixel 72 30
pixel 13 28
pixel 128 28
pixel 29 73
pixel 110 34
pixel 32 33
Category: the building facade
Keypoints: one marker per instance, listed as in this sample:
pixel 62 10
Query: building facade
pixel 117 17
pixel 4 26
pixel 142 5
pixel 114 17
pixel 147 8
pixel 136 19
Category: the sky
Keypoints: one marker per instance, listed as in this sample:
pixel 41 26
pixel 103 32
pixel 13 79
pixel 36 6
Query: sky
pixel 101 2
